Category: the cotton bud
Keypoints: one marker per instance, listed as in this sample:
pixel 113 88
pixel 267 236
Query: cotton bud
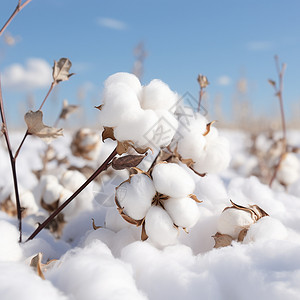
pixel 86 144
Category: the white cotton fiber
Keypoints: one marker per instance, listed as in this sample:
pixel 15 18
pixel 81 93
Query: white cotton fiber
pixel 157 95
pixel 126 78
pixel 172 180
pixel 159 227
pixel 136 196
pixel 191 145
pixel 20 281
pixel 52 192
pixel 266 228
pixel 289 170
pixel 217 157
pixel 70 210
pixel 139 128
pixel 72 180
pixel 10 249
pixel 183 211
pixel 118 100
pixel 93 273
pixel 27 201
pixel 114 221
pixel 232 221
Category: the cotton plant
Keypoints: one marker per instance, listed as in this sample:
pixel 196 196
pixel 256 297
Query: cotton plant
pixel 161 201
pixel 134 114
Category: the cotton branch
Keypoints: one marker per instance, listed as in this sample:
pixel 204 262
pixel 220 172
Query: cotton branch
pixel 12 163
pixel 19 7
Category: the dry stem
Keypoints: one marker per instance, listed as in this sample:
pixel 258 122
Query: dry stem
pixel 12 163
pixel 102 168
pixel 15 12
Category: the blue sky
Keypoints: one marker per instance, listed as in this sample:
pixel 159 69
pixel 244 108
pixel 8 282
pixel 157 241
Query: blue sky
pixel 225 40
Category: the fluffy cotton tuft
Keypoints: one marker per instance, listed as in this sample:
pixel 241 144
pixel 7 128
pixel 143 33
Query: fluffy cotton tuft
pixel 172 180
pixel 136 196
pixel 209 152
pixel 159 227
pixel 289 170
pixel 183 211
pixel 10 249
pixel 143 115
pixel 264 229
pixel 233 220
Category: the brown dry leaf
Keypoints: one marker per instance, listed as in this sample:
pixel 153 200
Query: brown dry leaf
pixel 127 161
pixel 95 227
pixel 272 82
pixel 108 133
pixel 35 126
pixel 67 110
pixel 222 240
pixel 242 234
pixel 202 80
pixel 208 128
pixel 61 70
pixel 194 197
pixel 36 263
pixel 144 235
pixel 99 106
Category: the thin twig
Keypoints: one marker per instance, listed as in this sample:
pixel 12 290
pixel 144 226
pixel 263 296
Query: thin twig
pixel 279 90
pixel 15 12
pixel 13 164
pixel 60 208
pixel 53 84
pixel 201 93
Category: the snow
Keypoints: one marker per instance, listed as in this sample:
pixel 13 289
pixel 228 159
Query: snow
pixel 113 263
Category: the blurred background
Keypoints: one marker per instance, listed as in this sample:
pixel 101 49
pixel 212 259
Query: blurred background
pixel 232 42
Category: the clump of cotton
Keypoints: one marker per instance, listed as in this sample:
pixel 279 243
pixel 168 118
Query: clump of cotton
pixel 136 196
pixel 27 201
pixel 172 180
pixel 161 202
pixel 289 169
pixel 202 144
pixel 233 220
pixel 10 249
pixel 138 113
pixel 264 229
pixel 92 272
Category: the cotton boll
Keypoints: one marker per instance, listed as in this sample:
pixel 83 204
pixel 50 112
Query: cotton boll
pixel 183 211
pixel 72 180
pixel 191 145
pixel 192 122
pixel 289 170
pixel 159 227
pixel 126 78
pixel 266 228
pixel 114 221
pixel 139 128
pixel 10 249
pixel 233 220
pixel 217 157
pixel 27 201
pixel 136 196
pixel 172 180
pixel 70 210
pixel 52 192
pixel 157 95
pixel 118 101
pixel 165 129
pixel 212 135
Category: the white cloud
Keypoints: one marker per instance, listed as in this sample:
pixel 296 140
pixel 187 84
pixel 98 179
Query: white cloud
pixel 260 45
pixel 35 74
pixel 112 23
pixel 224 80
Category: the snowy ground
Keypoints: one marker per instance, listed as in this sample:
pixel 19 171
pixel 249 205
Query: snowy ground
pixel 114 264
